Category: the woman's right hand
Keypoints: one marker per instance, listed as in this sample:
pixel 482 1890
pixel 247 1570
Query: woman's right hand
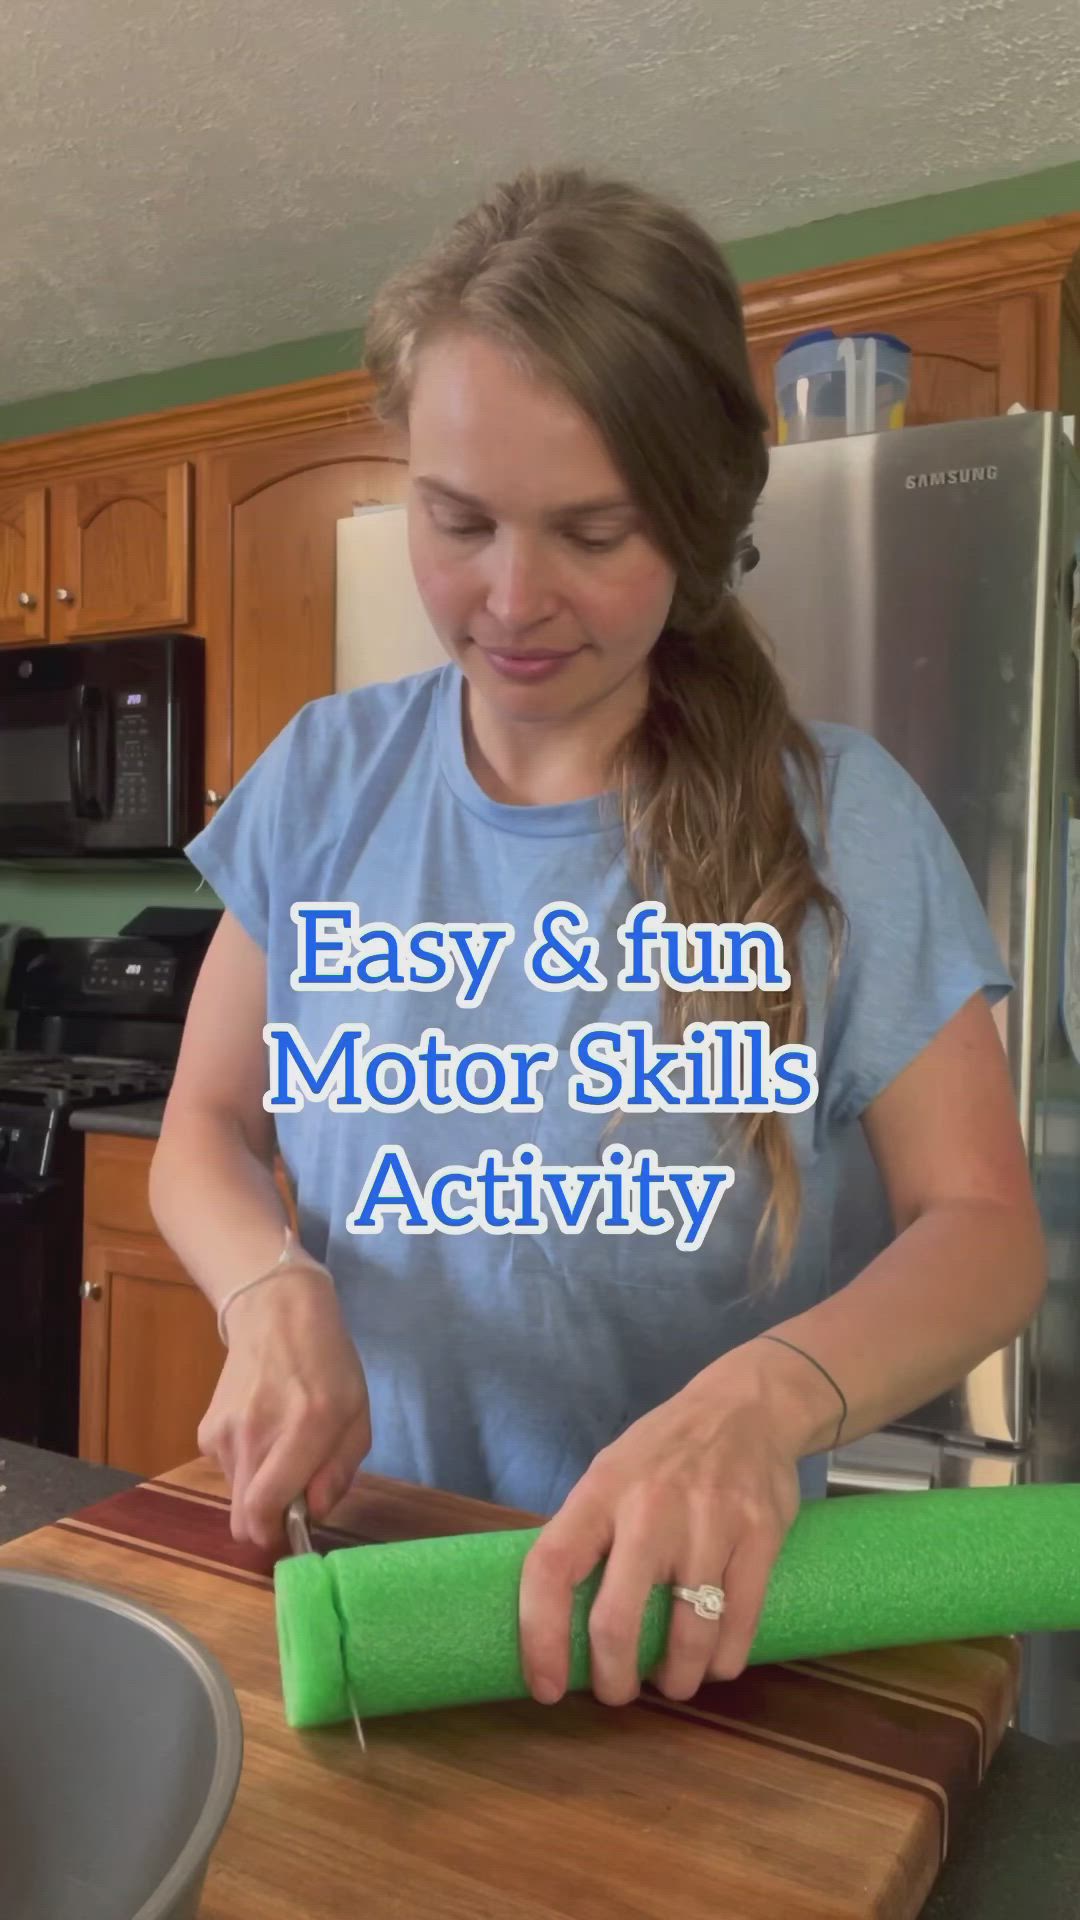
pixel 290 1413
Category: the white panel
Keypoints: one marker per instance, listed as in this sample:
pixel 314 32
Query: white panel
pixel 381 631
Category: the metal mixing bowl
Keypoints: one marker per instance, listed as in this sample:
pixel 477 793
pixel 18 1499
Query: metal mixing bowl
pixel 120 1751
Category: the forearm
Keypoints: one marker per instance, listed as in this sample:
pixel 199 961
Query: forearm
pixel 958 1283
pixel 215 1201
pixel 289 1412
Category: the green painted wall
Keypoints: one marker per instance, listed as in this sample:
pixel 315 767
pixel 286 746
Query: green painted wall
pixel 101 903
pixel 181 386
pixel 94 903
pixel 907 223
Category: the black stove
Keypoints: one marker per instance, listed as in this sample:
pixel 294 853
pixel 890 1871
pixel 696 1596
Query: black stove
pixel 79 1080
pixel 97 1023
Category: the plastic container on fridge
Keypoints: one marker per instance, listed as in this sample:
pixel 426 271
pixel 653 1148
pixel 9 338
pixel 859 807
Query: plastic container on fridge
pixel 828 386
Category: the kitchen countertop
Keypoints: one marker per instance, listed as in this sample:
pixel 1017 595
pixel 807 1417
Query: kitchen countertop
pixel 38 1487
pixel 141 1118
pixel 1018 1850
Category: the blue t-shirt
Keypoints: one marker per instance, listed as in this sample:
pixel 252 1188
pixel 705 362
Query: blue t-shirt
pixel 500 1363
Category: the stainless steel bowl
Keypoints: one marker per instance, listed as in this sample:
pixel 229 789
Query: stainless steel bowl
pixel 120 1752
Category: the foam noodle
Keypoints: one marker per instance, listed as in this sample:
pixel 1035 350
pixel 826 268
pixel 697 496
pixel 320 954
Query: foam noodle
pixel 434 1623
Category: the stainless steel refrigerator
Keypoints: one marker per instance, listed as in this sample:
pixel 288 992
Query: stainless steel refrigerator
pixel 924 585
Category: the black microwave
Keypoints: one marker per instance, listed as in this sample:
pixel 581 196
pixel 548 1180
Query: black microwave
pixel 101 747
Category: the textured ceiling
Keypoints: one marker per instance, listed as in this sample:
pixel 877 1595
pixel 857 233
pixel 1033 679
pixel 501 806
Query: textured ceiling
pixel 183 179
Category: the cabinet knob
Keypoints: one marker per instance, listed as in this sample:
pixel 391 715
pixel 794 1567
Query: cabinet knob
pixel 90 1290
pixel 64 594
pixel 212 798
pixel 28 599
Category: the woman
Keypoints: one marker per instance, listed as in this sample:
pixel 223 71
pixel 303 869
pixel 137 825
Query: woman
pixel 585 452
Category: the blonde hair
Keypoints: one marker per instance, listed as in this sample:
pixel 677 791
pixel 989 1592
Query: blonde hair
pixel 624 302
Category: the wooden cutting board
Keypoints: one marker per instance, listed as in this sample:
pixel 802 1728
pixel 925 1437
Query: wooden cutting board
pixel 813 1791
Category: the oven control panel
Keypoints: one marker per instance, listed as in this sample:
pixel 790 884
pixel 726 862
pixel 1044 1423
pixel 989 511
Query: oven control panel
pixel 123 977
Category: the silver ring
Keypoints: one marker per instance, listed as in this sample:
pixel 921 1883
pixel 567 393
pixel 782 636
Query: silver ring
pixel 707 1602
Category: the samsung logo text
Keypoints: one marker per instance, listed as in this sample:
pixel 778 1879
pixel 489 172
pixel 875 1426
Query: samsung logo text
pixel 951 477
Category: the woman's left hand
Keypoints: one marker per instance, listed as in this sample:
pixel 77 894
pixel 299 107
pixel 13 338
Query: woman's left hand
pixel 703 1489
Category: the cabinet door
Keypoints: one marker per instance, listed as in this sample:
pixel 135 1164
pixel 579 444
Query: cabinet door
pixel 270 563
pixel 150 1358
pixel 150 1354
pixel 969 360
pixel 973 360
pixel 122 545
pixel 23 553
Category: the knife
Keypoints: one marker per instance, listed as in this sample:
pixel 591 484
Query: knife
pixel 299 1537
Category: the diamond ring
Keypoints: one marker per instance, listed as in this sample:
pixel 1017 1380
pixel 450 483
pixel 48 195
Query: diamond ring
pixel 707 1602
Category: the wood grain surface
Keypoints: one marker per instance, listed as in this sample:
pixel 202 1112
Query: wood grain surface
pixel 812 1791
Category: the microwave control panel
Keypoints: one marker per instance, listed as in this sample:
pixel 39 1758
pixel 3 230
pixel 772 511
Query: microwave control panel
pixel 133 754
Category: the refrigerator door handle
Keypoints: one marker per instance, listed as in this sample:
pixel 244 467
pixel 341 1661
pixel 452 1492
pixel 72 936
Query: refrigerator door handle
pixel 1075 609
pixel 852 1479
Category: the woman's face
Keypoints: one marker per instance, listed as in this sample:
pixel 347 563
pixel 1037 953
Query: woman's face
pixel 529 555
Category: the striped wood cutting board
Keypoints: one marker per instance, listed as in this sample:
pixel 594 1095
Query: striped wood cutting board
pixel 813 1791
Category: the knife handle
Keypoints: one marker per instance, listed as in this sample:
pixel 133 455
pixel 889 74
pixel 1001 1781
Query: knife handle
pixel 297 1529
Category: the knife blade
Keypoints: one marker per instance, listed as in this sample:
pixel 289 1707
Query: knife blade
pixel 298 1533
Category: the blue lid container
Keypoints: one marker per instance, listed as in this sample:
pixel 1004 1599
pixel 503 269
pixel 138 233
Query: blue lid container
pixel 828 386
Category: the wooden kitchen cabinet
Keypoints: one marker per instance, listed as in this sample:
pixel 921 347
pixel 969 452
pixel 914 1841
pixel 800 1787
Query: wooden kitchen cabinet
pixel 150 1358
pixel 122 547
pixel 101 553
pixel 973 360
pixel 220 517
pixel 991 319
pixel 269 564
pixel 150 1353
pixel 23 554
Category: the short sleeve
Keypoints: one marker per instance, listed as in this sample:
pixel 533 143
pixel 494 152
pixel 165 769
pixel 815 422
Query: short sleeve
pixel 917 944
pixel 236 852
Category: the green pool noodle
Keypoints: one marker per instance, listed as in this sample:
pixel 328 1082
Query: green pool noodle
pixel 421 1624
